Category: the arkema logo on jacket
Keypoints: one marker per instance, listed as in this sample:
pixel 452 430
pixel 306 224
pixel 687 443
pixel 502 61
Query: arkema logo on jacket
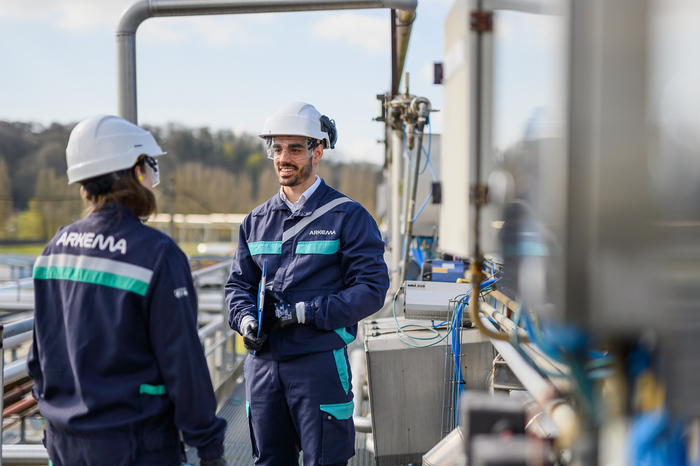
pixel 92 241
pixel 322 232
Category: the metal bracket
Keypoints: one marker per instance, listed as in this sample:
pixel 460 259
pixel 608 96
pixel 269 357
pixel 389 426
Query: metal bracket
pixel 503 378
pixel 482 21
pixel 478 194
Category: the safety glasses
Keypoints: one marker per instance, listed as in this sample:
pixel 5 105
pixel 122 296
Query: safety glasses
pixel 295 151
pixel 152 166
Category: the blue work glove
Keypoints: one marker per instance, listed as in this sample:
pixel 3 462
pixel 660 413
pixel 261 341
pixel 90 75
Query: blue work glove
pixel 249 332
pixel 282 313
pixel 216 462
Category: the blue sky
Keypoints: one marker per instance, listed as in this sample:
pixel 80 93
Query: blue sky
pixel 57 64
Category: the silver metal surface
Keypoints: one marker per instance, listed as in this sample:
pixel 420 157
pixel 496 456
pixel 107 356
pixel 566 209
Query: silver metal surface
pixel 609 264
pixel 358 369
pixel 503 378
pixel 140 11
pixel 18 328
pixel 14 371
pixel 544 393
pixel 406 388
pixel 208 271
pixel 545 7
pixel 17 295
pixel 456 139
pixel 448 452
pixel 431 300
pixel 396 237
pixel 404 25
pixel 17 340
pixel 26 455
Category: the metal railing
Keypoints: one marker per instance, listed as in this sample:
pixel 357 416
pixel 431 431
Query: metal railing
pixel 218 343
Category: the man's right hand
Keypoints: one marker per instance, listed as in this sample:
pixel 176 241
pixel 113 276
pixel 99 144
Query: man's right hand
pixel 249 332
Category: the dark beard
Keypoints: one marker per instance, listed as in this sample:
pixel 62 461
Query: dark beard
pixel 300 176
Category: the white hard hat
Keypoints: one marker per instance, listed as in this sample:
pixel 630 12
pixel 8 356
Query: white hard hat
pixel 105 144
pixel 301 119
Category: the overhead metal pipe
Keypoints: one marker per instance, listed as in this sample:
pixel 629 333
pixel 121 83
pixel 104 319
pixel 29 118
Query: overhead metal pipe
pixel 140 11
pixel 401 27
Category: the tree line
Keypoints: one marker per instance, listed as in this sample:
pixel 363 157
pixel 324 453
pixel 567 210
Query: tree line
pixel 204 172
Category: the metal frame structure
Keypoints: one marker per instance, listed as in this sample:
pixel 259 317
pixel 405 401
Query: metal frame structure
pixel 140 11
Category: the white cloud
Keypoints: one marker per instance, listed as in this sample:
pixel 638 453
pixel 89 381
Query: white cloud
pixel 85 15
pixel 78 15
pixel 370 33
pixel 212 30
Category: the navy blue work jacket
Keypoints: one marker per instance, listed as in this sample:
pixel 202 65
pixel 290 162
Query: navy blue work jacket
pixel 335 264
pixel 115 345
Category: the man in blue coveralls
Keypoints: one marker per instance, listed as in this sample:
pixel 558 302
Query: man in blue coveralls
pixel 325 272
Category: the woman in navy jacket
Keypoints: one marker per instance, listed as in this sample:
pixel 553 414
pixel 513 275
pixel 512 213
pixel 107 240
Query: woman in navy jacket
pixel 116 360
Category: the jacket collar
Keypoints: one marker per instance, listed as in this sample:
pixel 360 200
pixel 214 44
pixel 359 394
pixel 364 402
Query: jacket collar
pixel 311 204
pixel 110 208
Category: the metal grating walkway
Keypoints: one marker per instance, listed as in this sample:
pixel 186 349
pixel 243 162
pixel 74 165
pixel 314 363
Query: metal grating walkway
pixel 237 441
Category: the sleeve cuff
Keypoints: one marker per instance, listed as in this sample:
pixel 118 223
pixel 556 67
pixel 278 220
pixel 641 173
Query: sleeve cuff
pixel 245 319
pixel 301 312
pixel 310 313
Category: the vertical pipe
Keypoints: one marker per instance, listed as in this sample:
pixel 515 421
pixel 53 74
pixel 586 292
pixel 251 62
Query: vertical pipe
pixel 395 73
pixel 478 150
pixel 396 240
pixel 411 201
pixel 126 77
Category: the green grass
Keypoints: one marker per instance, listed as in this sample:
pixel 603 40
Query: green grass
pixel 23 249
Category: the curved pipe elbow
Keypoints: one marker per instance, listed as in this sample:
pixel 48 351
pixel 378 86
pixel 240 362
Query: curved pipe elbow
pixel 405 5
pixel 133 16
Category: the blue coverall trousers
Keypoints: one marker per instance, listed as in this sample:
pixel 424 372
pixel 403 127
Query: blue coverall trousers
pixel 303 404
pixel 161 447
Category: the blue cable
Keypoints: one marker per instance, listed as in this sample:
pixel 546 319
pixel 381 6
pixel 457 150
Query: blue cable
pixel 425 203
pixel 399 329
pixel 654 438
pixel 427 154
pixel 428 163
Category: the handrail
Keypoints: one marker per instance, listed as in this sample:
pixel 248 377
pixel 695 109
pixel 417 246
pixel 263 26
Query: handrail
pixel 212 268
pixel 222 368
pixel 210 328
pixel 215 336
pixel 17 369
pixel 16 328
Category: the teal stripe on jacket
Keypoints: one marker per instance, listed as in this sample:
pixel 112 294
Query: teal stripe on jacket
pixel 318 247
pixel 265 247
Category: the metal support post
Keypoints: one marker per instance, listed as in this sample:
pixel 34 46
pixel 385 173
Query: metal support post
pixel 396 195
pixel 2 371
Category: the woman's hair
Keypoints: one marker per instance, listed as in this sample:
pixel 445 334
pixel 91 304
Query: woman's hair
pixel 127 191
